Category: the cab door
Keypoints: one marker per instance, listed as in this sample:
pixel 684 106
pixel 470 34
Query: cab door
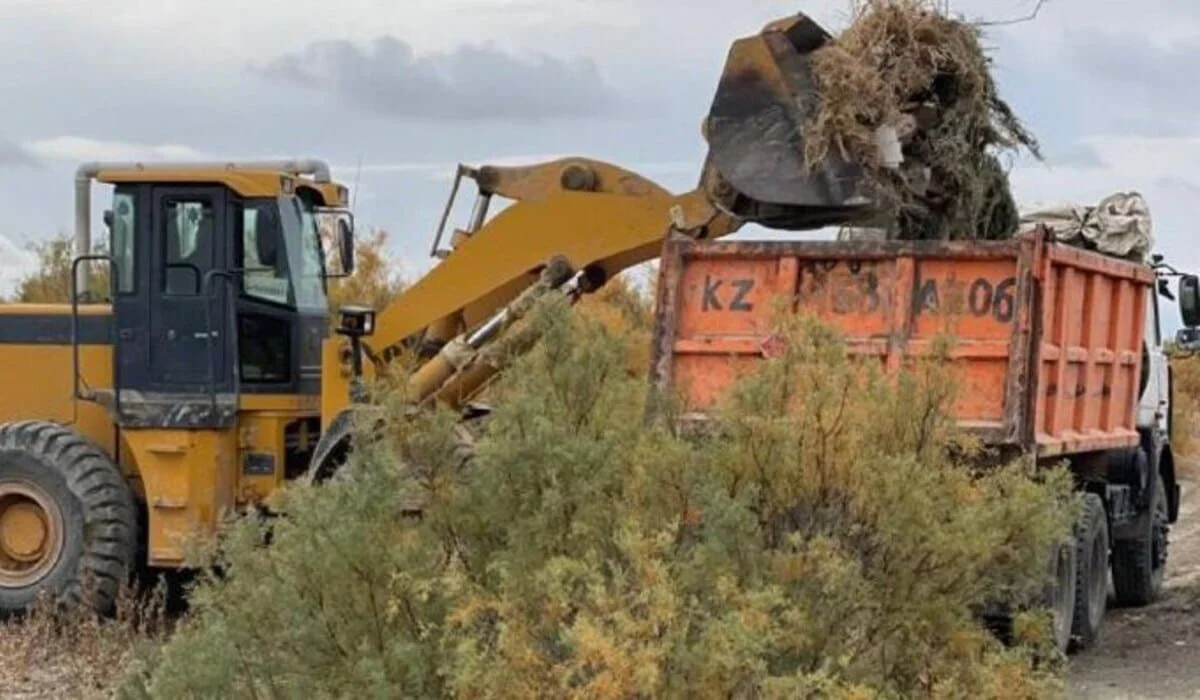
pixel 188 308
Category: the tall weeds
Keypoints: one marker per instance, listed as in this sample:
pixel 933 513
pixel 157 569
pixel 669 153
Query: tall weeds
pixel 50 652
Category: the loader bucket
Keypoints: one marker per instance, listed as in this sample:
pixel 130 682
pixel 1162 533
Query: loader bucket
pixel 764 96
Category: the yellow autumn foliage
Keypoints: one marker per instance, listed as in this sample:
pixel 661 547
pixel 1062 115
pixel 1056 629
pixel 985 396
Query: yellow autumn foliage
pixel 49 282
pixel 376 279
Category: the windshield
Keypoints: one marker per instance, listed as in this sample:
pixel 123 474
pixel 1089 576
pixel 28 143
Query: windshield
pixel 293 274
pixel 304 252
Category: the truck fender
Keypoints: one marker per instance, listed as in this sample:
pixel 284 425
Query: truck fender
pixel 1162 465
pixel 1135 466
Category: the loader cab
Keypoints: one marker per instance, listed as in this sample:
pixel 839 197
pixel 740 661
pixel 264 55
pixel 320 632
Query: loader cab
pixel 220 291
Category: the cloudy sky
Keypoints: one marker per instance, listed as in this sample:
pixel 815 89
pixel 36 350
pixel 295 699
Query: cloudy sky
pixel 408 88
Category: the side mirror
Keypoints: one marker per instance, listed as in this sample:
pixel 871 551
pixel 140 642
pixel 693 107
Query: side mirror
pixel 266 236
pixel 108 219
pixel 1164 289
pixel 1189 300
pixel 335 226
pixel 345 242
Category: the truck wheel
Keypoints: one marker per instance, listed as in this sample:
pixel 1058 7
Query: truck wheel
pixel 1059 595
pixel 1138 562
pixel 67 519
pixel 1091 580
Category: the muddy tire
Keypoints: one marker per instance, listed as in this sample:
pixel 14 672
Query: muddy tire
pixel 1139 560
pixel 1059 595
pixel 68 523
pixel 1091 580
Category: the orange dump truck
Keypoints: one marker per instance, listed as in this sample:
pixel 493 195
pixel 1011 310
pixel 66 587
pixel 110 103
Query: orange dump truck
pixel 1061 346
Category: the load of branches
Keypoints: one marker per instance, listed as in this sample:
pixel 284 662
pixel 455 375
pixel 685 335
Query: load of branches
pixel 905 69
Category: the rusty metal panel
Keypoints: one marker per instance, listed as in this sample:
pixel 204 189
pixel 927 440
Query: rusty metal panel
pixel 1011 305
pixel 1090 358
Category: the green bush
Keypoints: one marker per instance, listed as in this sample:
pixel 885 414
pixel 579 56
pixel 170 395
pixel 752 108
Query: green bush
pixel 826 538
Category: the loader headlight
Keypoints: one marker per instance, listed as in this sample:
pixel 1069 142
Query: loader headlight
pixel 356 321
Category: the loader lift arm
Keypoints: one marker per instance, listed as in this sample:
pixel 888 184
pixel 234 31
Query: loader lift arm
pixel 597 218
pixel 600 219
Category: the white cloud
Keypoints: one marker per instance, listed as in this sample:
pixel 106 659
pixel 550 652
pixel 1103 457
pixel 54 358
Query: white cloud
pixel 1126 163
pixel 14 154
pixel 1164 22
pixel 82 149
pixel 1160 169
pixel 166 36
pixel 444 170
pixel 171 31
pixel 471 83
pixel 436 168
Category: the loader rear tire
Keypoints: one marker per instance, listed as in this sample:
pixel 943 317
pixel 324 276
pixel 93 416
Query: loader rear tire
pixel 68 523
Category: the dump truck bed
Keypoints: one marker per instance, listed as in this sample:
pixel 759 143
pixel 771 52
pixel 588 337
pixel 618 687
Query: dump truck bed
pixel 1049 335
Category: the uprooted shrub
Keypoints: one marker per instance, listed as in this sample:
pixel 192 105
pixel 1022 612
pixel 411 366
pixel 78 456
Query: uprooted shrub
pixel 822 540
pixel 907 65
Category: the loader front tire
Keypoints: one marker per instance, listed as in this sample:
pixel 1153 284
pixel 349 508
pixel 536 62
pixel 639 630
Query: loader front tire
pixel 68 523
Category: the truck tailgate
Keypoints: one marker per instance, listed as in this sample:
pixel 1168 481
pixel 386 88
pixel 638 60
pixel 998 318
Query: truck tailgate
pixel 1049 335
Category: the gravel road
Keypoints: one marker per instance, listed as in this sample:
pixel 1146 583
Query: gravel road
pixel 1153 652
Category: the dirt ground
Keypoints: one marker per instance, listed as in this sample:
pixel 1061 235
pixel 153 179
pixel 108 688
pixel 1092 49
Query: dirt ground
pixel 1153 652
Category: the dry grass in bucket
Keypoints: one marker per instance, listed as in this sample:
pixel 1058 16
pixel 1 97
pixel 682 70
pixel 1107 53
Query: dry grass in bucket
pixel 907 65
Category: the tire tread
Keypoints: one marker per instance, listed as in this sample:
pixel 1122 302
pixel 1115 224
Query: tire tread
pixel 1132 560
pixel 1093 522
pixel 110 514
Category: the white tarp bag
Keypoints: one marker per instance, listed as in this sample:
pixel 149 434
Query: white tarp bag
pixel 1119 225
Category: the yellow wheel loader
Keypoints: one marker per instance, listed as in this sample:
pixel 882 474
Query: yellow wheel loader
pixel 209 378
pixel 193 390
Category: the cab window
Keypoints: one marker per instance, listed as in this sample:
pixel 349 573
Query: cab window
pixel 122 239
pixel 189 244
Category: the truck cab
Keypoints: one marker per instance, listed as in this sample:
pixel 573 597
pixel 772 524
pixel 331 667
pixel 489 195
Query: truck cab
pixel 1154 404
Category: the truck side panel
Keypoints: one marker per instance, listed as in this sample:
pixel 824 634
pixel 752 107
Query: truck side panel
pixel 1090 359
pixel 1010 304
